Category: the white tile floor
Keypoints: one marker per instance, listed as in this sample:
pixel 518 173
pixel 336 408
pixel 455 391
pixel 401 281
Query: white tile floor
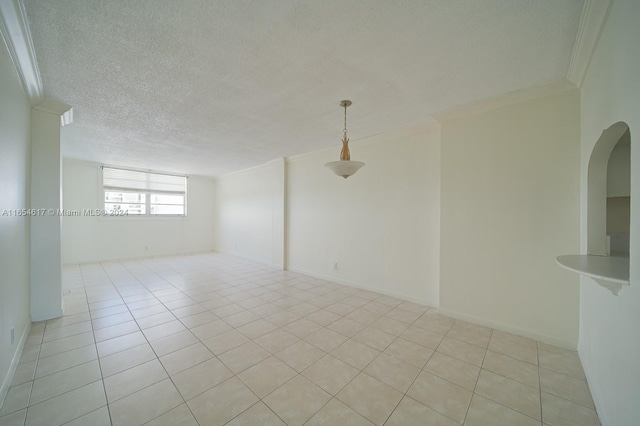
pixel 212 339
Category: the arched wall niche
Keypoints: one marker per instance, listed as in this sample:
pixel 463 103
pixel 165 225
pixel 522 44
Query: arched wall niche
pixel 600 191
pixel 608 200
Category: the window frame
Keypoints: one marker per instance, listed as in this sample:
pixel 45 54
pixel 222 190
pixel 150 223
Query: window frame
pixel 147 192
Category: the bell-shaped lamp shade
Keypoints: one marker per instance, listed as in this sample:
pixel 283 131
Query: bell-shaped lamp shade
pixel 344 168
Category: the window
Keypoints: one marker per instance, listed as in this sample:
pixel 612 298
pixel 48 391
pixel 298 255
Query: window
pixel 143 194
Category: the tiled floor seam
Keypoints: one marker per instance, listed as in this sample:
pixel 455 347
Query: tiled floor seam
pixel 473 392
pixel 276 288
pixel 567 399
pixel 104 389
pixel 170 377
pixel 539 384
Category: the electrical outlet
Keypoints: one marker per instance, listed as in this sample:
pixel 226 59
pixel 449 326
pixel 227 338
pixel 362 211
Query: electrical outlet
pixel 13 334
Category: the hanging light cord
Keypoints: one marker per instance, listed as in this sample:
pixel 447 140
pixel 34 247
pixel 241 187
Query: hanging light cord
pixel 345 121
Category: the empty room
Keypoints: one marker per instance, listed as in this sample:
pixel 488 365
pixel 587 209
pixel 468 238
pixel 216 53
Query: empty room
pixel 420 212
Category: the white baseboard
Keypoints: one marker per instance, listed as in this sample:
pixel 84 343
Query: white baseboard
pixel 253 259
pixel 43 316
pixel 594 390
pixel 8 378
pixel 141 257
pixel 507 328
pixel 399 295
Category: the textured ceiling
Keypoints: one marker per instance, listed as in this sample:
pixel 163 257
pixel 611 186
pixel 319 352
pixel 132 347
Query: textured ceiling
pixel 208 87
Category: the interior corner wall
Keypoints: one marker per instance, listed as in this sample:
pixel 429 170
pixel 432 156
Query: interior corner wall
pixel 15 170
pixel 250 213
pixel 609 325
pixel 509 206
pixel 378 229
pixel 87 238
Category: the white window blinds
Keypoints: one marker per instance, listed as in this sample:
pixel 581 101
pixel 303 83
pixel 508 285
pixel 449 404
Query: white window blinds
pixel 132 180
pixel 132 192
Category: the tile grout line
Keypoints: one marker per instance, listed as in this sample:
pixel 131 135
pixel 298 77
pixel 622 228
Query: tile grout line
pixel 154 352
pixel 284 288
pixel 475 386
pixel 104 388
pixel 37 363
pixel 539 383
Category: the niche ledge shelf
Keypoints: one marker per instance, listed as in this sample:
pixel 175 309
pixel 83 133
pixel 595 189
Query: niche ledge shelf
pixel 611 272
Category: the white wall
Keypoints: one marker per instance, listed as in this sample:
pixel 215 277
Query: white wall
pixel 510 197
pixel 45 247
pixel 618 170
pixel 610 325
pixel 15 158
pixel 92 239
pixel 381 225
pixel 250 213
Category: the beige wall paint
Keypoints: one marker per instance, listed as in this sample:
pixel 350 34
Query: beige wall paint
pixel 250 213
pixel 609 325
pixel 381 226
pixel 15 159
pixel 509 203
pixel 94 239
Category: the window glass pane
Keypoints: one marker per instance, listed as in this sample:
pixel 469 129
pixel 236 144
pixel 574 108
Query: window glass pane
pixel 133 203
pixel 167 199
pixel 124 197
pixel 130 209
pixel 166 209
pixel 144 193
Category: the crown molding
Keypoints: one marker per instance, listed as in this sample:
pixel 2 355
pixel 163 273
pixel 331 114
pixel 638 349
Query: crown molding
pixel 270 163
pixel 594 16
pixel 14 28
pixel 56 108
pixel 52 107
pixel 505 100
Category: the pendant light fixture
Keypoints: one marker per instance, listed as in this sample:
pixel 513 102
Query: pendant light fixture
pixel 345 167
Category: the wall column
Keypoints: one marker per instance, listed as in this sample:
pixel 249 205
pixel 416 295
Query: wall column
pixel 46 202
